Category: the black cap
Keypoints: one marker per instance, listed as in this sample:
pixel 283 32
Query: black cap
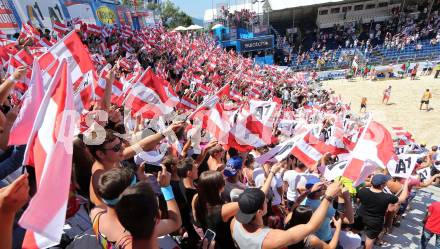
pixel 251 200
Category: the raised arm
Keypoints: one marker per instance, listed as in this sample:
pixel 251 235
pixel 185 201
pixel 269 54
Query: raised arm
pixel 266 186
pixel 149 142
pixel 280 238
pixel 8 84
pixel 404 193
pixel 345 198
pixel 174 221
pixel 11 116
pixel 106 101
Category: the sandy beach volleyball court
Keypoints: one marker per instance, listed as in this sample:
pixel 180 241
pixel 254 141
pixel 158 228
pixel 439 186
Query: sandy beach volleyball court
pixel 403 107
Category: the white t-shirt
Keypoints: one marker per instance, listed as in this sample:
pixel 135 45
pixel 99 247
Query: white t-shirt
pixel 292 178
pixel 286 94
pixel 277 182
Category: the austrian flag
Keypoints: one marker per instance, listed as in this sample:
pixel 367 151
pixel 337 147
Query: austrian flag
pixel 374 147
pixel 49 150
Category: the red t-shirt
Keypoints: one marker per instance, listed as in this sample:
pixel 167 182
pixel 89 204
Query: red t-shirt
pixel 433 221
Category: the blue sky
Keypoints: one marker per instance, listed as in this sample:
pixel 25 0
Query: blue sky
pixel 194 8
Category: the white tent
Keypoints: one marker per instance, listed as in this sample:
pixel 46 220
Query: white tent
pixel 218 25
pixel 180 28
pixel 194 27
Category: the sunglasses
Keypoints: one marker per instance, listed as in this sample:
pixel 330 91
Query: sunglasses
pixel 116 148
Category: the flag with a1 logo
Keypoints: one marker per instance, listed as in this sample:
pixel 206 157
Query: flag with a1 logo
pixel 403 165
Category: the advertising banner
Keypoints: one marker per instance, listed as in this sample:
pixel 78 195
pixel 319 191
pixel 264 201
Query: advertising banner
pixel 256 44
pixel 120 11
pixel 106 15
pixel 8 22
pixel 40 13
pixel 82 9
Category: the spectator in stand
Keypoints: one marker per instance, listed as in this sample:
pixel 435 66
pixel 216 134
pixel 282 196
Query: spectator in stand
pixel 232 173
pixel 12 198
pixel 374 204
pixel 345 209
pixel 209 209
pixel 431 225
pixel 111 152
pixel 302 215
pixel 111 184
pixel 291 179
pixel 249 231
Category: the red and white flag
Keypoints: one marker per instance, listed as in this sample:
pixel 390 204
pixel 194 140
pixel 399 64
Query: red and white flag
pixel 93 29
pixel 100 86
pixel 81 68
pixel 49 150
pixel 211 101
pixel 309 150
pixel 43 42
pixel 216 122
pixel 22 58
pixel 3 35
pixel 374 147
pixel 251 128
pixel 405 138
pixel 151 96
pixel 202 90
pixel 60 28
pixel 187 103
pixel 22 127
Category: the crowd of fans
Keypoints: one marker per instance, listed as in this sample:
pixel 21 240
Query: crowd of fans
pixel 215 197
pixel 402 30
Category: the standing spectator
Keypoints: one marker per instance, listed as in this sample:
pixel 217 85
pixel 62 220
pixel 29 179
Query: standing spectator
pixel 292 178
pixel 232 172
pixel 374 204
pixel 12 198
pixel 248 228
pixel 432 225
pixel 209 209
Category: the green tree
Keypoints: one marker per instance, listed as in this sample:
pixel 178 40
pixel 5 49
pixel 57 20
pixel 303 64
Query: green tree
pixel 172 16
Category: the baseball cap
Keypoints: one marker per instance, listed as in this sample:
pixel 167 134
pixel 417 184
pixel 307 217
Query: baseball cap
pixel 380 179
pixel 312 181
pixel 233 165
pixel 249 202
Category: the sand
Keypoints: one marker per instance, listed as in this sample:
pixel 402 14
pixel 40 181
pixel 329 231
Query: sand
pixel 403 107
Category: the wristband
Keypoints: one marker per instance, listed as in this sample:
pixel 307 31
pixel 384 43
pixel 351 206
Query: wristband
pixel 329 198
pixel 167 192
pixel 12 78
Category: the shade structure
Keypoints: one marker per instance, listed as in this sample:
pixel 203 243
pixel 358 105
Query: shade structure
pixel 194 27
pixel 218 25
pixel 180 28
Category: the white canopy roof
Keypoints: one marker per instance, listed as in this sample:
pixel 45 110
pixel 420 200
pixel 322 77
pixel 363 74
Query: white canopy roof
pixel 180 28
pixel 194 27
pixel 218 25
